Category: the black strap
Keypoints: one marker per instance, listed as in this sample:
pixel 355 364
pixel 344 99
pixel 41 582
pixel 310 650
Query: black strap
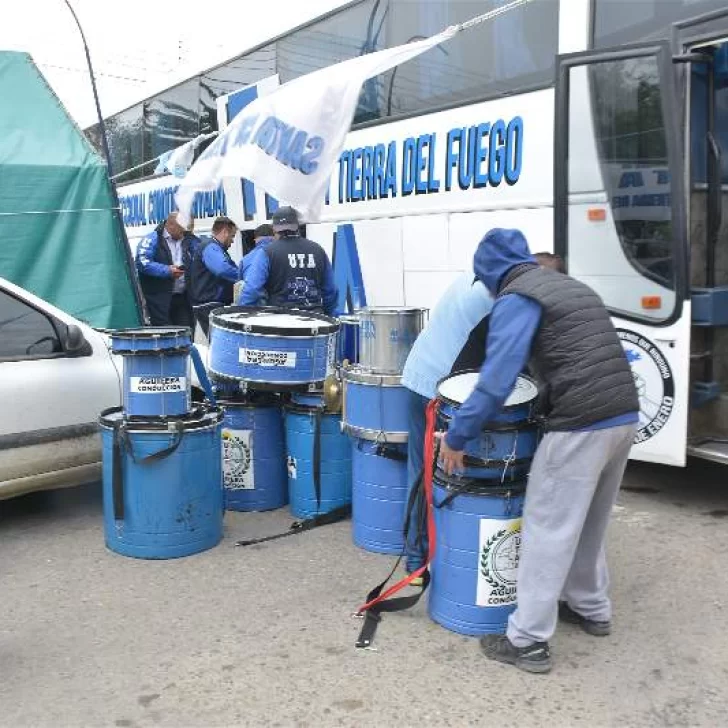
pixel 372 617
pixel 122 442
pixel 318 412
pixel 117 475
pixel 392 453
pixel 178 429
pixel 334 516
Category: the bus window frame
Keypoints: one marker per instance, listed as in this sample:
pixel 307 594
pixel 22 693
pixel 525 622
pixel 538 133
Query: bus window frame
pixel 682 37
pixel 662 52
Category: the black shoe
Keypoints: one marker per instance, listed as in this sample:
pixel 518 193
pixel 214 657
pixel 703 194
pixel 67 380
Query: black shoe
pixel 534 658
pixel 590 626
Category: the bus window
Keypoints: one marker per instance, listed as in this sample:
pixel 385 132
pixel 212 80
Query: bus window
pixel 172 118
pixel 617 22
pixel 632 148
pixel 621 232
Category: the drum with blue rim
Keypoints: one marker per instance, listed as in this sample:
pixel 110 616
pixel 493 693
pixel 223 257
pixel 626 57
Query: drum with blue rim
pixel 156 370
pixel 507 443
pixel 272 348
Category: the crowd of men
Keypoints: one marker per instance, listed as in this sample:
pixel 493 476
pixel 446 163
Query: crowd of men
pixel 514 312
pixel 184 277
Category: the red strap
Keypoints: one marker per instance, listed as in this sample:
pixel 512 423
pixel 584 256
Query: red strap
pixel 429 462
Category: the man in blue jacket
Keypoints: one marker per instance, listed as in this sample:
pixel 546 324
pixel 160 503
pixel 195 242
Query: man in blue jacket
pixel 263 236
pixel 213 273
pixel 561 328
pixel 162 257
pixel 292 272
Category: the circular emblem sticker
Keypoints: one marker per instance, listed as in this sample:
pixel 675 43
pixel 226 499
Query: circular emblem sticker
pixel 654 381
pixel 500 543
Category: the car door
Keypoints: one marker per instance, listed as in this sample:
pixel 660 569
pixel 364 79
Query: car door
pixel 56 375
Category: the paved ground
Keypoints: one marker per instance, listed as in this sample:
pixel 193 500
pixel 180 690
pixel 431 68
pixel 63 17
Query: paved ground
pixel 263 636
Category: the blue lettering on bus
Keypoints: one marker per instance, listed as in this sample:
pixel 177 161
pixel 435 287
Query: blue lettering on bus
pixel 496 166
pixel 433 184
pixel 409 166
pixel 355 175
pixel 390 179
pixel 420 164
pixel 153 207
pixel 514 150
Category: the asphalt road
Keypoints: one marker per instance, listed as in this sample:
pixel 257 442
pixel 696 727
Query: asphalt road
pixel 263 635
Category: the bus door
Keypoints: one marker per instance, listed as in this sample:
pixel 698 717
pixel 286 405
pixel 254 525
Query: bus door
pixel 620 221
pixel 701 54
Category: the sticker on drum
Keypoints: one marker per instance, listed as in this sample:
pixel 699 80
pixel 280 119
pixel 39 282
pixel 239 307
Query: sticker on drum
pixel 458 388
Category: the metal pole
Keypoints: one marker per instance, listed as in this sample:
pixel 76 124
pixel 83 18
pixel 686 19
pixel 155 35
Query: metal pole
pixel 102 127
pixel 131 269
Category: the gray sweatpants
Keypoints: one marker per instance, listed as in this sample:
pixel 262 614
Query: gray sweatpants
pixel 575 477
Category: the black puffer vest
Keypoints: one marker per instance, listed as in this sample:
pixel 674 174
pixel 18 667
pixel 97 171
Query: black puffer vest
pixel 576 352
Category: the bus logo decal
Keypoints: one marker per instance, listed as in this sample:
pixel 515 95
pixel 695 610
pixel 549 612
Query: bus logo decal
pixel 654 381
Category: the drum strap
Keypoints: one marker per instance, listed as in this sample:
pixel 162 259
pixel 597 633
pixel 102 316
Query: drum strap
pixel 392 453
pixel 334 516
pixel 202 375
pixel 378 600
pixel 318 413
pixel 122 442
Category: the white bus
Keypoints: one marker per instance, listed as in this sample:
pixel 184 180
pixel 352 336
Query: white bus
pixel 594 126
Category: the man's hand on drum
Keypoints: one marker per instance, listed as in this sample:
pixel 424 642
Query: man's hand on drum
pixel 452 460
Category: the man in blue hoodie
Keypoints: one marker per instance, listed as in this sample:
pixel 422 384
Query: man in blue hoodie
pixel 454 340
pixel 561 328
pixel 263 237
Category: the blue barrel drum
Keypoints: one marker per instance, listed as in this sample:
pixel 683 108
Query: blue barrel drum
pixel 318 457
pixel 478 512
pixel 508 442
pixel 379 496
pixel 156 370
pixel 270 348
pixel 254 454
pixel 376 406
pixel 376 410
pixel 478 533
pixel 162 484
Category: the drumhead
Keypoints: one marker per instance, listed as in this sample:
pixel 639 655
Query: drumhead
pixel 457 389
pixel 151 332
pixel 273 321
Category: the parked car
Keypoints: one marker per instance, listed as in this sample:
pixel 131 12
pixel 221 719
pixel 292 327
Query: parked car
pixel 56 375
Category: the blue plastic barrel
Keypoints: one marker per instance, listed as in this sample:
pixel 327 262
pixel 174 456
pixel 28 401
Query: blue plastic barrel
pixel 156 370
pixel 271 348
pixel 379 495
pixel 376 406
pixel 303 426
pixel 478 537
pixel 162 484
pixel 254 455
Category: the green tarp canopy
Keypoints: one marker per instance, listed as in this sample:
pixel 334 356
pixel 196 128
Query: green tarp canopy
pixel 60 237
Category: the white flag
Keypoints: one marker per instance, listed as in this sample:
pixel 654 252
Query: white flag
pixel 288 141
pixel 179 160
